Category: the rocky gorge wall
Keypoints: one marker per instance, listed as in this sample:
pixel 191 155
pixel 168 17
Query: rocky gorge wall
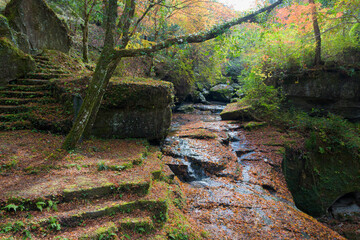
pixel 335 91
pixel 316 180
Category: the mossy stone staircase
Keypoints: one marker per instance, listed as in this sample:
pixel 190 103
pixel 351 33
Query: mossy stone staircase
pixel 100 210
pixel 18 97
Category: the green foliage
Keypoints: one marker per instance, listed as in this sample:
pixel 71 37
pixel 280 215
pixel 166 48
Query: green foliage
pixel 264 99
pixel 54 224
pixel 355 34
pixel 108 235
pixel 13 207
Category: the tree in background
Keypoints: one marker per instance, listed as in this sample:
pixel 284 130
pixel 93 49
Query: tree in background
pixel 87 10
pixel 317 60
pixel 119 31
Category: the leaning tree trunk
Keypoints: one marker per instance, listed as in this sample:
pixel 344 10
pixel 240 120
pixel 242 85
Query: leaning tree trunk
pixel 90 106
pixel 110 70
pixel 99 81
pixel 317 60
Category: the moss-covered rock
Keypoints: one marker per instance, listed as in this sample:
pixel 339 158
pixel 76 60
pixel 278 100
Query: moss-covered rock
pixel 236 111
pixel 5 28
pixel 38 21
pixel 135 108
pixel 221 92
pixel 316 180
pixel 13 62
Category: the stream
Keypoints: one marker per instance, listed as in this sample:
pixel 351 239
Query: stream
pixel 233 189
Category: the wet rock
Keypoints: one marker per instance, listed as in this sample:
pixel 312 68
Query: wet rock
pixel 202 152
pixel 14 63
pixel 211 108
pixel 247 199
pixel 221 92
pixel 236 111
pixel 35 19
pixel 185 108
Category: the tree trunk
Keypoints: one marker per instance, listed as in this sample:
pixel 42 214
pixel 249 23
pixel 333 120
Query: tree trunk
pixel 317 60
pixel 100 80
pixel 85 48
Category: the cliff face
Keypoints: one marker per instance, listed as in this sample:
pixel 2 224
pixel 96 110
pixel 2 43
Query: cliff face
pixel 333 91
pixel 38 22
pixel 316 180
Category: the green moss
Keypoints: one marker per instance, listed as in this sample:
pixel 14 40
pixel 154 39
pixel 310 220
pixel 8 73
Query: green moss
pixel 141 188
pixel 138 93
pixel 253 125
pixel 101 233
pixel 237 111
pixel 317 179
pixel 139 225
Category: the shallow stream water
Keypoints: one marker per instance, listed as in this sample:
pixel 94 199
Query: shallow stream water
pixel 232 188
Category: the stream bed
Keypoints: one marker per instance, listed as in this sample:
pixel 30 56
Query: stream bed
pixel 234 189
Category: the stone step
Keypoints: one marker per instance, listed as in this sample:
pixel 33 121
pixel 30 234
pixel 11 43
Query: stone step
pixel 140 225
pixel 147 213
pixel 48 65
pixel 20 101
pixel 46 76
pixel 6 109
pixel 12 117
pixel 23 94
pixel 50 71
pixel 30 82
pixel 40 58
pixel 30 88
pixel 77 194
pixel 17 125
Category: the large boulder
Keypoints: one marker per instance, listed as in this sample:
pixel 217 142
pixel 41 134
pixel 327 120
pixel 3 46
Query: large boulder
pixel 135 109
pixel 237 111
pixel 334 91
pixel 13 62
pixel 221 93
pixel 36 20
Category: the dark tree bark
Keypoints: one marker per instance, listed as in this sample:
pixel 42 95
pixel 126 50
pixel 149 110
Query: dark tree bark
pixel 110 57
pixel 317 59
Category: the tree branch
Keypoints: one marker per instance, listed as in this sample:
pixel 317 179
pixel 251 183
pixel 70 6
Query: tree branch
pixel 193 38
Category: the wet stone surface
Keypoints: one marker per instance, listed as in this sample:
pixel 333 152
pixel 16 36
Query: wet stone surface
pixel 234 189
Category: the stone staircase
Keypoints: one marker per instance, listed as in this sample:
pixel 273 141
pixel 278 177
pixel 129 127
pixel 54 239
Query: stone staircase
pixel 95 203
pixel 17 98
